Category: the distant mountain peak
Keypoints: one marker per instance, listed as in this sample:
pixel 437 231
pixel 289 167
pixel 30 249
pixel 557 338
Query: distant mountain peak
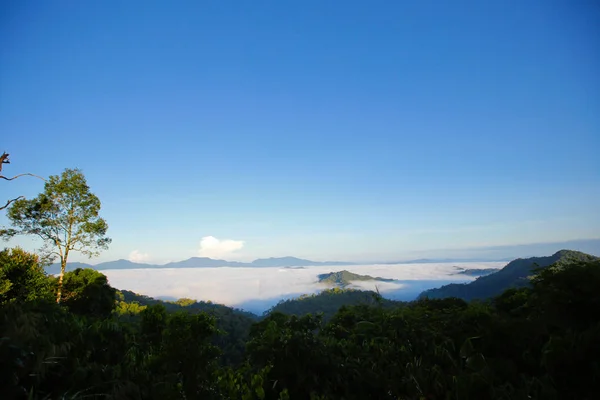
pixel 569 253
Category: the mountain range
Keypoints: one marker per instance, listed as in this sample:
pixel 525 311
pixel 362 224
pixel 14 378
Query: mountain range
pixel 200 262
pixel 281 262
pixel 514 275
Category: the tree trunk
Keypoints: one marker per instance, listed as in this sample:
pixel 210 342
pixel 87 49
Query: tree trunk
pixel 63 267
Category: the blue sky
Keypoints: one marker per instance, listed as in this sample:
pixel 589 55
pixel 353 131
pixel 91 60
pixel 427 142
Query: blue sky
pixel 321 129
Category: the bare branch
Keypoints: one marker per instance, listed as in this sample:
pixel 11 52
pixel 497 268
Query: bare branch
pixel 10 201
pixel 4 160
pixel 18 176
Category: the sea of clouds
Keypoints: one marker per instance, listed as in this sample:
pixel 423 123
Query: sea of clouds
pixel 258 289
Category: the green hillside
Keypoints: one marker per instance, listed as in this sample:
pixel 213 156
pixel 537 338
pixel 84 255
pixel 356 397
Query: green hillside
pixel 184 304
pixel 235 323
pixel 515 274
pixel 328 302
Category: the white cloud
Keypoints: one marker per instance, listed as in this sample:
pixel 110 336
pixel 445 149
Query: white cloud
pixel 212 247
pixel 138 257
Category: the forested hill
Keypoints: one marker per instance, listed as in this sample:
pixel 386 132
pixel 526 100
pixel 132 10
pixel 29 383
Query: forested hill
pixel 517 273
pixel 345 278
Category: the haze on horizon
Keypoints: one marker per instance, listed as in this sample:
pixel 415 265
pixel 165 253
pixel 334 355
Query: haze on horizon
pixel 329 131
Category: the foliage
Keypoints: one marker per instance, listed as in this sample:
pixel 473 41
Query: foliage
pixel 22 277
pixel 234 324
pixel 87 292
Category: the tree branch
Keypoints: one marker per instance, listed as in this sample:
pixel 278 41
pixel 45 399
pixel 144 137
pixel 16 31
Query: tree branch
pixel 4 160
pixel 10 201
pixel 25 174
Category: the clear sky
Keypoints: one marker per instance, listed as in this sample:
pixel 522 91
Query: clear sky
pixel 321 129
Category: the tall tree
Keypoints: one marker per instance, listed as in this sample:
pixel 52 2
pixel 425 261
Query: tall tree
pixel 65 216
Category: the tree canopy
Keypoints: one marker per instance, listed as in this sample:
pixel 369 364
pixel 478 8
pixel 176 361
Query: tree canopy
pixel 22 278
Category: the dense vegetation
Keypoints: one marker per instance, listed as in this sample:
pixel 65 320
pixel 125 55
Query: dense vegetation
pixel 233 324
pixel 515 274
pixel 535 342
